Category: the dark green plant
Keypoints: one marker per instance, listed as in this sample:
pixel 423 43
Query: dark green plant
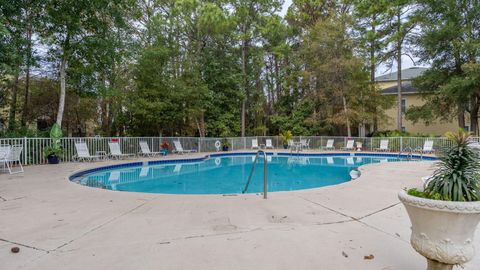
pixel 457 175
pixel 225 142
pixel 55 148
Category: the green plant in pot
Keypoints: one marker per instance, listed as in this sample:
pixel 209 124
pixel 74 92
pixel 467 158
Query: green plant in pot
pixel 286 136
pixel 446 212
pixel 54 151
pixel 225 144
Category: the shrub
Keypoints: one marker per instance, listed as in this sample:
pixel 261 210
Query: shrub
pixel 456 177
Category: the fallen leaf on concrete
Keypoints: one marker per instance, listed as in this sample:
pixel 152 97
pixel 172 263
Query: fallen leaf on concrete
pixel 344 254
pixel 15 249
pixel 368 257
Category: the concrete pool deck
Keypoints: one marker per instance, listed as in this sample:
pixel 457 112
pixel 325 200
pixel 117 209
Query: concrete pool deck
pixel 62 225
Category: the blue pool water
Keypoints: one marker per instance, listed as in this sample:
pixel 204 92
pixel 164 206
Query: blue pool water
pixel 229 174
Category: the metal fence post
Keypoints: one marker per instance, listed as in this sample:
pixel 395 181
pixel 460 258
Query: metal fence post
pixel 401 144
pixel 25 151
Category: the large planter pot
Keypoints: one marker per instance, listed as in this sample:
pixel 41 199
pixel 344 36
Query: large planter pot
pixel 285 146
pixel 442 231
pixel 225 148
pixel 52 159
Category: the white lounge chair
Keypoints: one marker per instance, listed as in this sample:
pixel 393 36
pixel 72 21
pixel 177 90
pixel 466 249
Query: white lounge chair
pixel 329 145
pixel 11 157
pixel 83 153
pixel 349 145
pixel 145 150
pixel 179 149
pixel 115 151
pixel 255 144
pixel 427 147
pixel 268 144
pixel 383 146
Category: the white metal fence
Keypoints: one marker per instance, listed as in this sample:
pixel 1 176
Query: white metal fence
pixel 34 147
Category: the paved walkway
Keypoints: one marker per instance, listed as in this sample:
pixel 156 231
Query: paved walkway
pixel 62 225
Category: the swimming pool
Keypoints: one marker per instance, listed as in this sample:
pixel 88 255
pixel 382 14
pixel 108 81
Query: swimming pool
pixel 228 174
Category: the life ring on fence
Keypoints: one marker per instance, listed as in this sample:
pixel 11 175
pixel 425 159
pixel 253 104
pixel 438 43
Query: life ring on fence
pixel 218 161
pixel 218 144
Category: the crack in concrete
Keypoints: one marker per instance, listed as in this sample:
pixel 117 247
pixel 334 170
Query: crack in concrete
pixel 359 220
pixel 102 225
pixel 3 199
pixel 24 245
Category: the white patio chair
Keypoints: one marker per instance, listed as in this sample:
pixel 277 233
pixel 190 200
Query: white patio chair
pixel 268 144
pixel 179 149
pixel 304 143
pixel 291 144
pixel 349 145
pixel 145 150
pixel 255 144
pixel 83 153
pixel 116 152
pixel 329 145
pixel 4 151
pixel 12 157
pixel 383 146
pixel 427 147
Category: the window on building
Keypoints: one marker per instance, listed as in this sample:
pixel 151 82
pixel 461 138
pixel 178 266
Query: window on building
pixel 404 105
pixel 467 128
pixel 404 129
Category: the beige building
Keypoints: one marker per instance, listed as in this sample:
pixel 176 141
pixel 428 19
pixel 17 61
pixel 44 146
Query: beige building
pixel 410 97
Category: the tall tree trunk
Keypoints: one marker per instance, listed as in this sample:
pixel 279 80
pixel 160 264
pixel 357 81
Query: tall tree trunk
pixel 461 116
pixel 373 63
pixel 27 76
pixel 13 104
pixel 345 110
pixel 399 76
pixel 245 85
pixel 61 103
pixel 475 106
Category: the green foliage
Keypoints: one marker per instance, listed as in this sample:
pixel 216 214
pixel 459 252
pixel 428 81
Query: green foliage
pixel 226 142
pixel 423 194
pixel 55 147
pixel 286 136
pixel 457 175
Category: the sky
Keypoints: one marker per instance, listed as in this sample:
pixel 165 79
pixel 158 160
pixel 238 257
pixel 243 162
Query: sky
pixel 382 69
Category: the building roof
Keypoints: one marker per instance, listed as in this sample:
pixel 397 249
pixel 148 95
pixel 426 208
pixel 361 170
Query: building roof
pixel 407 88
pixel 407 74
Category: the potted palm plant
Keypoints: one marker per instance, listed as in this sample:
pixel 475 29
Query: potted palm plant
pixel 285 137
pixel 54 151
pixel 225 144
pixel 445 214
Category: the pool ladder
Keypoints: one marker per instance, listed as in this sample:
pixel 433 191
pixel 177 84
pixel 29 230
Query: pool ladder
pixel 409 152
pixel 265 172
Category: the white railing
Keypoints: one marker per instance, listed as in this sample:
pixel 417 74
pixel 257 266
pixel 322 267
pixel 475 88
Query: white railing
pixel 34 147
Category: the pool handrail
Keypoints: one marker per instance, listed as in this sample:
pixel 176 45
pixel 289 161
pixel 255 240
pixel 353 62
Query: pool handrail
pixel 265 173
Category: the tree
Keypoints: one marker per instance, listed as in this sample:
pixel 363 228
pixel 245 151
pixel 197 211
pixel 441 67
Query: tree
pixel 401 22
pixel 449 41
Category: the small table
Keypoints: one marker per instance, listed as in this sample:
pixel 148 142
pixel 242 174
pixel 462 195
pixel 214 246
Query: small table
pixel 262 146
pixel 164 152
pixel 102 154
